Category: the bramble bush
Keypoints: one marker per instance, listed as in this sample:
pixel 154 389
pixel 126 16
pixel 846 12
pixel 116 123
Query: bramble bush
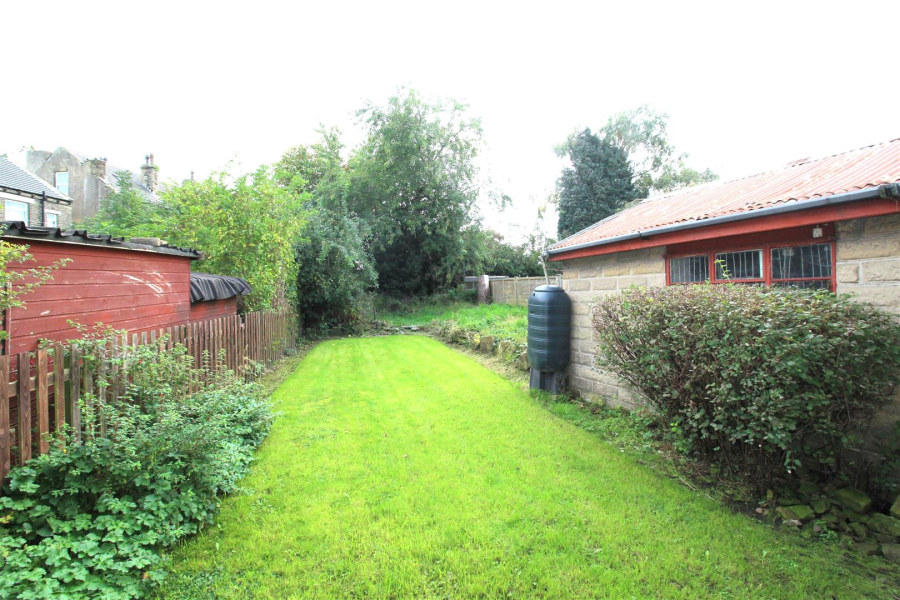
pixel 91 518
pixel 760 380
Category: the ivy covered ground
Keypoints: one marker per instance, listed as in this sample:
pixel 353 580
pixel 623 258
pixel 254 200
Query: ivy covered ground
pixel 402 469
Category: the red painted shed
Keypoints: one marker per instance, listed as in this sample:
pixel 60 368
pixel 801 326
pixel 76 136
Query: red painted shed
pixel 126 285
pixel 139 285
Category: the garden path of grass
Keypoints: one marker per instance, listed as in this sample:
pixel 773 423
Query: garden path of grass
pixel 402 469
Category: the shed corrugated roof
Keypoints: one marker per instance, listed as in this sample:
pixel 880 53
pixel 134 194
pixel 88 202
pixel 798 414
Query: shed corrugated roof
pixel 858 169
pixel 205 287
pixel 17 178
pixel 20 231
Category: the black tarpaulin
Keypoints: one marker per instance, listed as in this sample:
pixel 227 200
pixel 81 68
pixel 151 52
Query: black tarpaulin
pixel 206 287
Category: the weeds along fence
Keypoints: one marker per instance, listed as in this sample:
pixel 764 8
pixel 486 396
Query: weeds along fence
pixel 59 378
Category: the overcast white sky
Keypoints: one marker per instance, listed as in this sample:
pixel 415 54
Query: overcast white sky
pixel 748 86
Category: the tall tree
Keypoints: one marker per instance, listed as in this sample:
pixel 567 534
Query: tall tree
pixel 335 265
pixel 414 182
pixel 598 183
pixel 303 167
pixel 643 134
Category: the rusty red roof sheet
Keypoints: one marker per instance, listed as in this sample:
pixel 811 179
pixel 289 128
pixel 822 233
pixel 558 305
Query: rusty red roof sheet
pixel 801 180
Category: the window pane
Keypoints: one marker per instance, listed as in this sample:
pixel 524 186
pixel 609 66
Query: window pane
pixel 809 284
pixel 689 269
pixel 16 211
pixel 52 220
pixel 739 265
pixel 62 182
pixel 801 262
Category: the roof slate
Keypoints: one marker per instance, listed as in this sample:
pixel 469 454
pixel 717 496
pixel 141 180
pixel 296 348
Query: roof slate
pixel 800 181
pixel 14 177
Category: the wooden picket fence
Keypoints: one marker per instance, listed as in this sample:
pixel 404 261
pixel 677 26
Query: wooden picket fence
pixel 34 407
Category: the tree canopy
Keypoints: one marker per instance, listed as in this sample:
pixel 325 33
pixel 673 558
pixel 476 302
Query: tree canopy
pixel 598 183
pixel 414 181
pixel 246 226
pixel 643 133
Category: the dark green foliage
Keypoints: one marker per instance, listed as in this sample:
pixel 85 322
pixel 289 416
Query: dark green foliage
pixel 91 520
pixel 414 182
pixel 597 185
pixel 335 265
pixel 335 269
pixel 760 380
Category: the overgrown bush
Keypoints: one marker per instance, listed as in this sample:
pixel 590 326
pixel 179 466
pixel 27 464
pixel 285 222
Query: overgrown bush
pixel 335 270
pixel 91 518
pixel 760 380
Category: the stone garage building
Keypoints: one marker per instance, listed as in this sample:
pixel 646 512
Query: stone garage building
pixel 828 223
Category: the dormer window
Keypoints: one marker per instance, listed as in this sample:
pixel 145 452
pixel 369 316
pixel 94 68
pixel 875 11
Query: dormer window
pixel 62 182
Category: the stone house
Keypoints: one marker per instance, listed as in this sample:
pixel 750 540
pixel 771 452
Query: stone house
pixel 828 223
pixel 26 198
pixel 88 180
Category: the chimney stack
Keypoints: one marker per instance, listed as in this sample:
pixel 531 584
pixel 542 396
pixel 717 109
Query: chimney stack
pixel 149 173
pixel 97 167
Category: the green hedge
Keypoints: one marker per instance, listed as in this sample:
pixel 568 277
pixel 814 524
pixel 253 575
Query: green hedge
pixel 761 380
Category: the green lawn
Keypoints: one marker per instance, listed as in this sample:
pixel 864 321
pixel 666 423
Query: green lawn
pixel 499 320
pixel 402 469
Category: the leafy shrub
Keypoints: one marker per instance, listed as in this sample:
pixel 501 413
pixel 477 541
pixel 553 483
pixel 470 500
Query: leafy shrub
pixel 335 270
pixel 90 518
pixel 758 379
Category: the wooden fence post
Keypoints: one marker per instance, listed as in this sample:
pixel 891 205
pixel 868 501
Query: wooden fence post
pixel 43 401
pixel 4 417
pixel 23 433
pixel 75 387
pixel 59 389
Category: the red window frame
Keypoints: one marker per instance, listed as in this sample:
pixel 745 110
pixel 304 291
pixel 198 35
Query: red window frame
pixel 765 242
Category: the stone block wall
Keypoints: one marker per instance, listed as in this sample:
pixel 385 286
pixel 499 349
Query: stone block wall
pixel 868 260
pixel 868 265
pixel 585 279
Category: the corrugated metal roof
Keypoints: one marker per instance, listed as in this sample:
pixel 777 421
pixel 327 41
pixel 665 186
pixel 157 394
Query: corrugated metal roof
pixel 16 178
pixel 18 230
pixel 858 169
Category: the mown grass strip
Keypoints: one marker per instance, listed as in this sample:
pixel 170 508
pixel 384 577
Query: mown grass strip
pixel 402 469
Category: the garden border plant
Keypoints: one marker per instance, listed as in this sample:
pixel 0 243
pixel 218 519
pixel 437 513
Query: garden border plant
pixel 761 381
pixel 92 517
